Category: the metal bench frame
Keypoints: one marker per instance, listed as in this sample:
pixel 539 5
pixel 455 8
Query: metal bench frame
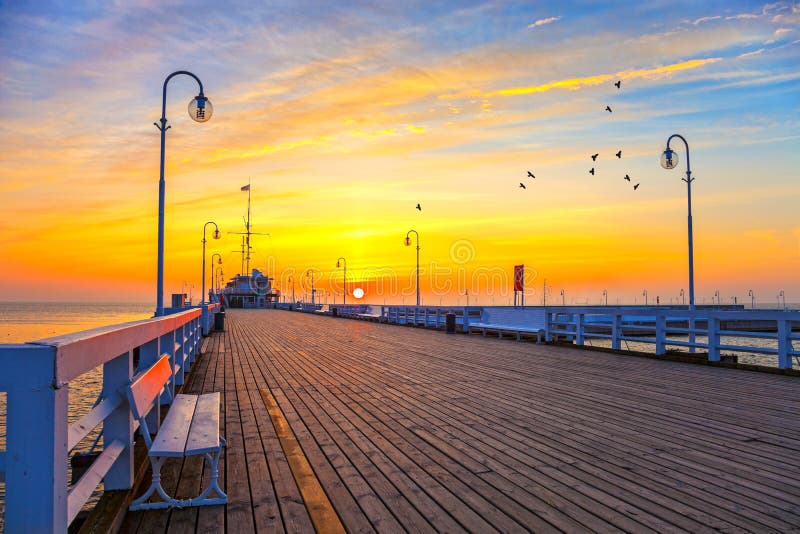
pixel 153 382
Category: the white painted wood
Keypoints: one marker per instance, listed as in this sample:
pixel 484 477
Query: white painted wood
pixel 83 489
pixel 81 352
pixel 80 428
pixel 171 438
pixel 784 344
pixel 144 390
pixel 118 426
pixel 204 432
pixel 36 460
pixel 166 345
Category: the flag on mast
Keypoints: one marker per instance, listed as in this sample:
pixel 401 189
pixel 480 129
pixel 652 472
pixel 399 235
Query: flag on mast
pixel 246 187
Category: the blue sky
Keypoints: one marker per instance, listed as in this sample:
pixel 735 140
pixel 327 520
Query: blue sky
pixel 347 112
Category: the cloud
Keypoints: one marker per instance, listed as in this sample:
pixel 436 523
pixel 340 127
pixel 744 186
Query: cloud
pixel 750 54
pixel 743 16
pixel 586 81
pixel 542 22
pixel 703 20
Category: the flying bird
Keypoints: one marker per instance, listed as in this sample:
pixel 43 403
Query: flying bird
pixel 627 177
pixel 635 187
pixel 522 185
pixel 618 83
pixel 608 108
pixel 591 171
pixel 531 174
pixel 594 157
pixel 419 207
pixel 619 154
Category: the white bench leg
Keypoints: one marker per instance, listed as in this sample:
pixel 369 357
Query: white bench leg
pixel 203 499
pixel 155 486
pixel 169 502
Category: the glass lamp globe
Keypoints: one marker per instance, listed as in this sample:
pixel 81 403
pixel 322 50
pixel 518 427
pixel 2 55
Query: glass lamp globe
pixel 337 263
pixel 200 109
pixel 216 235
pixel 408 241
pixel 669 159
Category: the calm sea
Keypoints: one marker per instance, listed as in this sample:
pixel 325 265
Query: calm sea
pixel 28 321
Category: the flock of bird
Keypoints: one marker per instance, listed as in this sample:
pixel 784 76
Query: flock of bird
pixel 618 85
pixel 627 178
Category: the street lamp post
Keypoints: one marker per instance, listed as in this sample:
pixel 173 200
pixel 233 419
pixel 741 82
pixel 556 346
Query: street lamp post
pixel 344 263
pixel 644 293
pixel 200 110
pixel 683 296
pixel 216 236
pixel 669 160
pixel 213 278
pixel 605 295
pixel 752 299
pixel 562 297
pixel 408 243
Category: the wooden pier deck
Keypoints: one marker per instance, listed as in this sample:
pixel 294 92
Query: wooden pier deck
pixel 356 426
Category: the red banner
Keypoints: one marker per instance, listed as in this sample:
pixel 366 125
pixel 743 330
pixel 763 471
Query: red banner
pixel 519 275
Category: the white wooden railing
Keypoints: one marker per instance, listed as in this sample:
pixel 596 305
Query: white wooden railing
pixel 36 378
pixel 665 327
pixel 703 330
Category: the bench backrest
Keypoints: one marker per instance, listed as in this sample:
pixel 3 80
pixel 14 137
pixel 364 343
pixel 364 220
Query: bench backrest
pixel 144 390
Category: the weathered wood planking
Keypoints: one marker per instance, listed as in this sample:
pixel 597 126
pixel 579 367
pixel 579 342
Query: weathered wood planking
pixel 409 429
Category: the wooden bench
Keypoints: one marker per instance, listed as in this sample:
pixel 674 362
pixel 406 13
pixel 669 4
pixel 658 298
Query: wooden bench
pixel 513 321
pixel 191 427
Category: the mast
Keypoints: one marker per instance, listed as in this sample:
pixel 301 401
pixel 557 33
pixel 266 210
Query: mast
pixel 247 228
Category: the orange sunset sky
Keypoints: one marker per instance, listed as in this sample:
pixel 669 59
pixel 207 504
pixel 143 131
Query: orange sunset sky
pixel 345 116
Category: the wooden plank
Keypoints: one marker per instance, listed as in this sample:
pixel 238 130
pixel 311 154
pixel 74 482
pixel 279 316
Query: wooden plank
pixel 146 387
pixel 410 429
pixel 319 506
pixel 171 438
pixel 204 432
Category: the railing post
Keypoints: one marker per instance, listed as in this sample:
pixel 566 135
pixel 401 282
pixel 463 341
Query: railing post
pixel 166 345
pixel 784 343
pixel 579 329
pixel 713 338
pixel 148 355
pixel 548 317
pixel 661 334
pixel 119 424
pixel 616 332
pixel 192 353
pixel 36 450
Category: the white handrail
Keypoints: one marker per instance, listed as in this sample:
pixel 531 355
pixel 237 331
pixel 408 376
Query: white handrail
pixel 36 377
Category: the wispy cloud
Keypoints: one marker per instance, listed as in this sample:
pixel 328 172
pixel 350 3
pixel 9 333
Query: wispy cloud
pixel 542 22
pixel 703 20
pixel 750 54
pixel 586 81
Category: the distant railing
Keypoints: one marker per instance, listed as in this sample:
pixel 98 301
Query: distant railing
pixel 662 326
pixel 37 376
pixel 705 329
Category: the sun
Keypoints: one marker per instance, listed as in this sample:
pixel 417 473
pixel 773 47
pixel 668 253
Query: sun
pixel 358 293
